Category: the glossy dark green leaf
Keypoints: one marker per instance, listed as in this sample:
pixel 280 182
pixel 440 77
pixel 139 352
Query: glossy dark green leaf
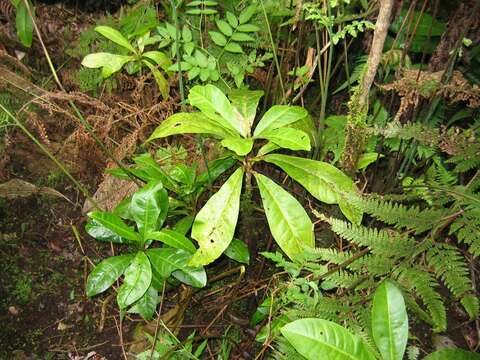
pixel 288 221
pixel 278 116
pixel 173 239
pixel 321 339
pixel 238 251
pixel 101 233
pixel 137 279
pixel 106 273
pixel 149 207
pixel 115 224
pixel 389 321
pixel 183 225
pixel 146 305
pixel 215 223
pixel 170 261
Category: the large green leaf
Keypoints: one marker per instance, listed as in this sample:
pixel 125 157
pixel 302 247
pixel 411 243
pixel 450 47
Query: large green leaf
pixel 324 181
pixel 106 273
pixel 214 104
pixel 115 224
pixel 137 280
pixel 452 354
pixel 246 102
pixel 389 321
pixel 162 83
pixel 110 63
pixel 215 223
pixel 241 146
pixel 190 123
pixel 24 24
pixel 115 36
pixel 101 233
pixel 170 261
pixel 173 239
pixel 149 207
pixel 147 304
pixel 321 339
pixel 278 116
pixel 287 138
pixel 423 23
pixel 289 223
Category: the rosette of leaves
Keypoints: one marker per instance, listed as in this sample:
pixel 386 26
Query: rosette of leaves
pixel 233 30
pixel 282 127
pixel 145 270
pixel 134 59
pixel 199 66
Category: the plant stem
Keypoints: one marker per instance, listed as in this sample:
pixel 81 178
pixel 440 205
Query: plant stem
pixel 275 56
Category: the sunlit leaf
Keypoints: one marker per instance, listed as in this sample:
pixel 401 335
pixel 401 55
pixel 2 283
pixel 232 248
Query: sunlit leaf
pixel 115 36
pixel 193 123
pixel 324 181
pixel 287 138
pixel 289 223
pixel 278 116
pixel 241 146
pixel 215 223
pixel 321 339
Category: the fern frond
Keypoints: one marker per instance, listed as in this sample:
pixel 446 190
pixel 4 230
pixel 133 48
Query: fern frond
pixel 381 242
pixel 449 265
pixel 467 230
pixel 423 285
pixel 330 255
pixel 398 215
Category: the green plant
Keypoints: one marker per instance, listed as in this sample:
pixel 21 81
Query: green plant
pixel 146 270
pixel 136 59
pixel 168 346
pixel 318 338
pixel 314 338
pixel 23 21
pixel 287 127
